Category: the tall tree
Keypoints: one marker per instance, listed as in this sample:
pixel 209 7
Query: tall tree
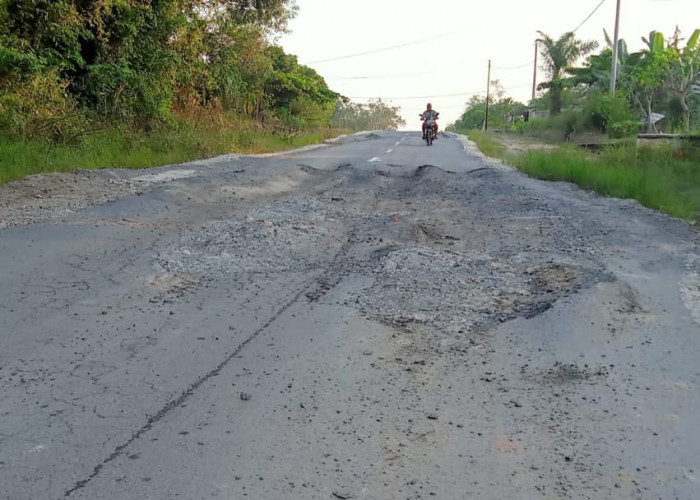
pixel 296 92
pixel 558 55
pixel 138 61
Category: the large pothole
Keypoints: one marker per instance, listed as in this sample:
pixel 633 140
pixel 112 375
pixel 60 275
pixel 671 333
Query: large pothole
pixel 454 291
pixel 284 237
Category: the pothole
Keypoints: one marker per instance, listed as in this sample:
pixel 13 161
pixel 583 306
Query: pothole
pixel 453 291
pixel 284 237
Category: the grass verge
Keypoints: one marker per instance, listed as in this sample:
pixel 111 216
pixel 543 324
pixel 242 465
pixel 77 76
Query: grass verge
pixel 487 144
pixel 121 148
pixel 664 179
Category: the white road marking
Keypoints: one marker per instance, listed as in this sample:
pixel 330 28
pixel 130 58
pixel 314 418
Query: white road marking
pixel 374 160
pixel 166 176
pixel 389 150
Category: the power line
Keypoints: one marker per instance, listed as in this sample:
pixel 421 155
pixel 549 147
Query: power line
pixel 376 51
pixel 458 106
pixel 421 96
pixel 507 68
pixel 462 94
pixel 529 63
pixel 382 77
pixel 589 16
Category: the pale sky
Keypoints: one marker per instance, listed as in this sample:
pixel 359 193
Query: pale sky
pixel 456 40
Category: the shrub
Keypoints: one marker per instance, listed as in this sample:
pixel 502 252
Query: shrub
pixel 118 92
pixel 15 65
pixel 603 110
pixel 627 128
pixel 40 109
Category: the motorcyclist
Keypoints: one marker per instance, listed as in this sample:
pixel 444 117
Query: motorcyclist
pixel 429 114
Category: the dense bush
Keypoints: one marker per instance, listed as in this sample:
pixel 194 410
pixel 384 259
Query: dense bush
pixel 40 108
pixel 610 115
pixel 136 63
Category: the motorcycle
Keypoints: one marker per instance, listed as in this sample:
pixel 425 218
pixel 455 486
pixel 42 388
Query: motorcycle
pixel 430 130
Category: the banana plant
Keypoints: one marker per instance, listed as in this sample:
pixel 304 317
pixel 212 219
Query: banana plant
pixel 649 77
pixel 598 70
pixel 655 43
pixel 684 78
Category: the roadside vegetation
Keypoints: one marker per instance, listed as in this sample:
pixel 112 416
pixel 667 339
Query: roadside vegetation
pixel 90 84
pixel 662 178
pixel 657 91
pixel 124 148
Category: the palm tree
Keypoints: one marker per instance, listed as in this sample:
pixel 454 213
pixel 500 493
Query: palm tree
pixel 558 55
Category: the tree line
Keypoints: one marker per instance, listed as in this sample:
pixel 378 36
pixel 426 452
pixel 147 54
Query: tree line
pixel 660 80
pixel 375 115
pixel 67 65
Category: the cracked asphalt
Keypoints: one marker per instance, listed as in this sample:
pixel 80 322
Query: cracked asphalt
pixel 372 318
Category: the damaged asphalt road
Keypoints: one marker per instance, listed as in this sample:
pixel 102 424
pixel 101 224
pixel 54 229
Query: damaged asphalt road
pixel 369 319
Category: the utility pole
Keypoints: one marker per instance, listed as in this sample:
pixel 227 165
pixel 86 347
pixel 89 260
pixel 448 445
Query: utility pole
pixel 613 72
pixel 488 93
pixel 534 72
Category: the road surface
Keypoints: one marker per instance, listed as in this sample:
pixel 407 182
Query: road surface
pixel 370 319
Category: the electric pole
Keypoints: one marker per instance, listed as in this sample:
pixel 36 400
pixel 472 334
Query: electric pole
pixel 613 72
pixel 488 93
pixel 534 72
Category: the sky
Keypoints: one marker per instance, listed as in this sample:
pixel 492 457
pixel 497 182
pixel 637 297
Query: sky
pixel 411 52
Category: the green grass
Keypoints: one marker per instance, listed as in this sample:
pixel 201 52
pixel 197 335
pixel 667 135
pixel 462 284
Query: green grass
pixel 663 179
pixel 129 149
pixel 486 143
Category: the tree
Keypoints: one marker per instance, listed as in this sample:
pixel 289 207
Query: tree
pixel 376 115
pixel 240 66
pixel 649 76
pixel 384 117
pixel 684 71
pixel 664 76
pixel 272 15
pixel 503 111
pixel 473 116
pixel 295 92
pixel 558 55
pixel 597 69
pixel 137 61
